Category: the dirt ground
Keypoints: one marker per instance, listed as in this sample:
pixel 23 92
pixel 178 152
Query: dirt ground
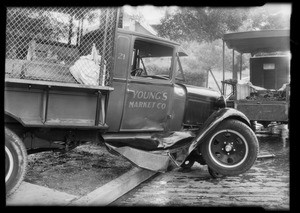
pixel 76 172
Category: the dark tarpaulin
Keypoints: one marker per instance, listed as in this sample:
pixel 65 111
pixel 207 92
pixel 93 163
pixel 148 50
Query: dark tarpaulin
pixel 258 41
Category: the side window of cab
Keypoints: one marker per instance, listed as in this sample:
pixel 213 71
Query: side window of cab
pixel 151 60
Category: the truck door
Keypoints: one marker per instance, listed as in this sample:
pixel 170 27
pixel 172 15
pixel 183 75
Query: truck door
pixel 116 97
pixel 149 87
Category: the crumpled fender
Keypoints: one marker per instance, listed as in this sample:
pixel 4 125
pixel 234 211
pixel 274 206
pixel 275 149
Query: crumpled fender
pixel 213 120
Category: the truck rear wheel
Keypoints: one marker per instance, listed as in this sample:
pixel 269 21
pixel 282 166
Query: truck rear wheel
pixel 15 161
pixel 231 149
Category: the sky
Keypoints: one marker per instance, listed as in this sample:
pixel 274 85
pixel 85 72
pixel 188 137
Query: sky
pixel 153 14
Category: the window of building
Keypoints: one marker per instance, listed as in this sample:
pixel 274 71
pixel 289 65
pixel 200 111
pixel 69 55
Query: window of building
pixel 269 66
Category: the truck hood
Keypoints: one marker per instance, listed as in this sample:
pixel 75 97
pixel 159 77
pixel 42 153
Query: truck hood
pixel 200 104
pixel 204 93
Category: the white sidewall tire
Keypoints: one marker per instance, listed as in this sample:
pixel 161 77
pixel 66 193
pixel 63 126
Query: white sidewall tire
pixel 11 164
pixel 15 160
pixel 246 134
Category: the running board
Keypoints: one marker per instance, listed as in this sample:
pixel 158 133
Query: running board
pixel 149 141
pixel 143 159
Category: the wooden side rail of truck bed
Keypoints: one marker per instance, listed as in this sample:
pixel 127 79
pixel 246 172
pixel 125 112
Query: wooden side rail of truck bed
pixel 54 104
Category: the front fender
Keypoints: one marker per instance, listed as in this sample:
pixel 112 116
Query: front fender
pixel 213 120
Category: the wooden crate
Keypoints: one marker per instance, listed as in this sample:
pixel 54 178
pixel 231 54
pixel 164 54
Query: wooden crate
pixel 242 91
pixel 48 71
pixel 38 70
pixel 13 67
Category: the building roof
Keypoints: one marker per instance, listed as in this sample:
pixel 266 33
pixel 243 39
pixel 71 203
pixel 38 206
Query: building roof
pixel 258 41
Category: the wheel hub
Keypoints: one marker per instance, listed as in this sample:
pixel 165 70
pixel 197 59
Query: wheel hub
pixel 228 147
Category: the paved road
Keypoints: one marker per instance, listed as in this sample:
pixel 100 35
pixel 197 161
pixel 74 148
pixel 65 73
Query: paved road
pixel 265 185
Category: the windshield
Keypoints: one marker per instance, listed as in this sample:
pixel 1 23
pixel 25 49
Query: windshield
pixel 155 60
pixel 157 65
pixel 152 59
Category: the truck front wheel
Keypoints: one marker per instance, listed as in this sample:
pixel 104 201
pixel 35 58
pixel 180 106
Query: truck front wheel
pixel 231 149
pixel 15 161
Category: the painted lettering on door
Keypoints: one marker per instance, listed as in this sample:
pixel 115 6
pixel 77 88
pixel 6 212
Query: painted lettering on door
pixel 149 99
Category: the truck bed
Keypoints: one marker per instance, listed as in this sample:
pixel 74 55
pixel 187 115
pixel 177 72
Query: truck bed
pixel 264 110
pixel 42 44
pixel 55 104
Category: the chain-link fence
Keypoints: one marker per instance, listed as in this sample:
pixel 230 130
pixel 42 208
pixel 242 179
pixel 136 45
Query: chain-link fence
pixel 71 45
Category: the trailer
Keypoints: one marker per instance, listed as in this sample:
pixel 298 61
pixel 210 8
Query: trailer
pixel 265 98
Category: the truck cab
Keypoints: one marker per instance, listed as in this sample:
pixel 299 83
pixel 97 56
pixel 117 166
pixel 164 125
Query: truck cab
pixel 146 97
pixel 151 110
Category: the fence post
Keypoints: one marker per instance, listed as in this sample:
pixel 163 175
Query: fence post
pixel 103 51
pixel 223 91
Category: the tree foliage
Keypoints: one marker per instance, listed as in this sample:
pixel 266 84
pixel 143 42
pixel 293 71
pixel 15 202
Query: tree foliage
pixel 266 18
pixel 201 24
pixel 210 23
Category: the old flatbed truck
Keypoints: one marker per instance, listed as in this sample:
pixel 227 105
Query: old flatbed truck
pixel 269 71
pixel 136 108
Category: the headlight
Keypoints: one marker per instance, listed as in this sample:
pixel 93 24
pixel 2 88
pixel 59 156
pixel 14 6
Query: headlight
pixel 220 102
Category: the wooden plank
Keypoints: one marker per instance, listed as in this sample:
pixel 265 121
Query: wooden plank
pixel 114 189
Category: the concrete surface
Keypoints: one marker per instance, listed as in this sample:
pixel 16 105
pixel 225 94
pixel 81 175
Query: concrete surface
pixel 33 195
